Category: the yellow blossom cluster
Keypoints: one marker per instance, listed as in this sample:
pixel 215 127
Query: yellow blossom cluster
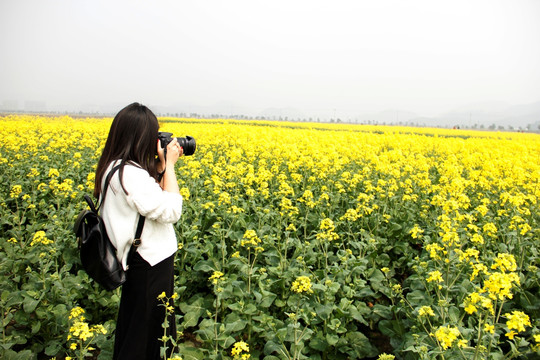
pixel 80 331
pixel 15 191
pixel 250 238
pixel 302 284
pixel 425 311
pixel 435 276
pixel 517 320
pixel 215 277
pixel 240 351
pixel 497 285
pixel 416 232
pixel 447 335
pixel 40 238
pixel 328 230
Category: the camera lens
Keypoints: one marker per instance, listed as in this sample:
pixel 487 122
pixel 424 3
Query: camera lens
pixel 188 145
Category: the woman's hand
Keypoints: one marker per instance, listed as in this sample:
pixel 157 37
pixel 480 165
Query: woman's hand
pixel 161 155
pixel 174 151
pixel 169 182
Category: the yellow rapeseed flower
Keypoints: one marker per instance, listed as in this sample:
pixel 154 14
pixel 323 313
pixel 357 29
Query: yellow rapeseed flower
pixel 385 356
pixel 240 350
pixel 327 230
pixel 250 238
pixel 40 238
pixel 435 276
pixel 15 191
pixel 517 320
pixel 499 285
pixel 505 263
pixel 302 284
pixel 416 232
pixel 447 335
pixel 53 173
pixel 214 278
pixel 425 311
pixel 435 251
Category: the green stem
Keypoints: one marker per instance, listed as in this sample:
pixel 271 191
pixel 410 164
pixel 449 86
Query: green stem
pixel 249 271
pixel 216 325
pixel 476 352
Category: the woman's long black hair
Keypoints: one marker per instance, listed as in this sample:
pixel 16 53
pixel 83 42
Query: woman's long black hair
pixel 132 139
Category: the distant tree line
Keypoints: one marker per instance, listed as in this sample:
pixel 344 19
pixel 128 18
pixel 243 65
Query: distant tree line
pixel 493 127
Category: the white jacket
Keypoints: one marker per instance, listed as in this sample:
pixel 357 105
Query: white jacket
pixel 120 213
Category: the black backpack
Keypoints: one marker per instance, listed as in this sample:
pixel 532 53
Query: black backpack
pixel 97 253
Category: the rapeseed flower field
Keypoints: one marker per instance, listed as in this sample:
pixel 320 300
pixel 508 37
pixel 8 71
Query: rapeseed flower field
pixel 297 241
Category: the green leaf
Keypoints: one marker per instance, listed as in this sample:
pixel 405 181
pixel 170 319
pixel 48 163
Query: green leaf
pixel 264 298
pixel 318 342
pixel 235 326
pixel 250 309
pixel 359 346
pixel 357 315
pixel 332 339
pixel 390 328
pixel 204 266
pixel 206 329
pixel 324 311
pixel 382 311
pixel 416 297
pixel 272 347
pixel 30 304
pixel 23 355
pixel 191 352
pixel 35 327
pixel 225 341
pixel 376 276
pixel 365 292
pixel 53 348
pixel 453 314
pixel 192 312
pixel 395 227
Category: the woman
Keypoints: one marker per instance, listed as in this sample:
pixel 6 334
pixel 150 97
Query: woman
pixel 145 186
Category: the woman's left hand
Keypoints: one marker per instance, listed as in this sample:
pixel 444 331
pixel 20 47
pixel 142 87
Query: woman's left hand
pixel 161 154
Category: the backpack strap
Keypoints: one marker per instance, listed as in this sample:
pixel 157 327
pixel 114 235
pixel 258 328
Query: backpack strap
pixel 138 233
pixel 137 239
pixel 106 187
pixel 140 224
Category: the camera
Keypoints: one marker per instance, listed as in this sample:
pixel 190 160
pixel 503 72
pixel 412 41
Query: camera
pixel 188 143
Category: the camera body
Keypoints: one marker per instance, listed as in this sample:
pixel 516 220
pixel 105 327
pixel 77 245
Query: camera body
pixel 188 143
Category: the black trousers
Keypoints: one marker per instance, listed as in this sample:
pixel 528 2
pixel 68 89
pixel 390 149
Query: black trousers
pixel 139 326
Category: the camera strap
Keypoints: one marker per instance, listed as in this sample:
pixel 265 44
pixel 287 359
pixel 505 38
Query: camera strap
pixel 160 175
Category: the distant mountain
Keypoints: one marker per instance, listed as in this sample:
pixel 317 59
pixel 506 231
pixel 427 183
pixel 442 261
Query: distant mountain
pixel 289 113
pixel 498 114
pixel 494 114
pixel 387 117
pixel 486 115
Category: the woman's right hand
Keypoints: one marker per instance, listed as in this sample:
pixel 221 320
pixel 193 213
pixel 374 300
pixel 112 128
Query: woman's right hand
pixel 169 182
pixel 174 151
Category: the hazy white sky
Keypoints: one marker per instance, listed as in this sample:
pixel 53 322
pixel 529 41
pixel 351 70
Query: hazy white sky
pixel 425 56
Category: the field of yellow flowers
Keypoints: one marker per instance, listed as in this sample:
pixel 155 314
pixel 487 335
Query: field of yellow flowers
pixel 297 241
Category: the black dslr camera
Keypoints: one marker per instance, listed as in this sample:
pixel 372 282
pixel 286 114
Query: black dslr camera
pixel 188 143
